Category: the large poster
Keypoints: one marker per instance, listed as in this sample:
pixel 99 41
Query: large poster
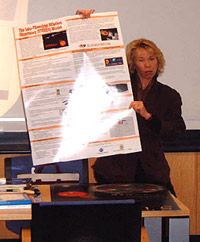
pixel 76 88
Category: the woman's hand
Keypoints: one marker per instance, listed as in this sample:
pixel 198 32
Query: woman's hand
pixel 85 13
pixel 139 108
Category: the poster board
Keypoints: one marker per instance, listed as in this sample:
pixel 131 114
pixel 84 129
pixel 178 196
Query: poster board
pixel 76 88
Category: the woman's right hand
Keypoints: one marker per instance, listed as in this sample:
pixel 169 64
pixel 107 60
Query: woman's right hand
pixel 139 107
pixel 85 13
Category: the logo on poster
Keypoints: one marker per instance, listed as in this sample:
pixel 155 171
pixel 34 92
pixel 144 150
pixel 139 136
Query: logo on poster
pixel 101 150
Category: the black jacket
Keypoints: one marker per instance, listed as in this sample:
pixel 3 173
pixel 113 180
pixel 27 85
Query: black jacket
pixel 164 103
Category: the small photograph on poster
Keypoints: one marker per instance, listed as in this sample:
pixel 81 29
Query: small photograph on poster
pixel 114 61
pixel 109 34
pixel 121 87
pixel 124 127
pixel 55 40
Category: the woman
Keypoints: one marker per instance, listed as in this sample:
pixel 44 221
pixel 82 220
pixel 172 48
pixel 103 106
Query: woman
pixel 158 109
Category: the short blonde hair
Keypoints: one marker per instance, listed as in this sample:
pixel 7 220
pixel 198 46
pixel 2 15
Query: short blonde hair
pixel 146 44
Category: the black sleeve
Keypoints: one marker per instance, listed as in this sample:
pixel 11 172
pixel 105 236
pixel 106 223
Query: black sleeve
pixel 170 124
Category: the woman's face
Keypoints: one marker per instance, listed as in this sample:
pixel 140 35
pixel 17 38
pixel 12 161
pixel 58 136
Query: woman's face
pixel 146 63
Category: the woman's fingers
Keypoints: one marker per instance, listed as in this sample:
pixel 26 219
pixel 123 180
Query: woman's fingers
pixel 85 13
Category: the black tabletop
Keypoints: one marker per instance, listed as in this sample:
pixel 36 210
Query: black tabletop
pixel 151 197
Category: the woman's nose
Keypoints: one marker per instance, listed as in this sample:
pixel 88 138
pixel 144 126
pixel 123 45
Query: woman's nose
pixel 147 63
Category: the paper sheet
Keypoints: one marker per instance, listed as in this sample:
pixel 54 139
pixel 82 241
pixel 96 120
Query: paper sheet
pixel 76 88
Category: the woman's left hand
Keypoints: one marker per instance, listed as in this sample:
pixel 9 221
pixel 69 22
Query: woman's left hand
pixel 85 13
pixel 139 108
